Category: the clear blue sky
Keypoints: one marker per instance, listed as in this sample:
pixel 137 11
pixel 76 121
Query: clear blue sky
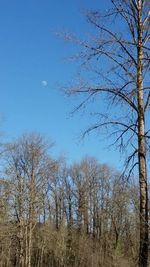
pixel 29 54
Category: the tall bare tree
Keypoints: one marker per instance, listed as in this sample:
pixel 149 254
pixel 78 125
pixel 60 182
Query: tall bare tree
pixel 28 167
pixel 118 57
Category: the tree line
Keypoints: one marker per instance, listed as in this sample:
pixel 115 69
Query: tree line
pixel 52 214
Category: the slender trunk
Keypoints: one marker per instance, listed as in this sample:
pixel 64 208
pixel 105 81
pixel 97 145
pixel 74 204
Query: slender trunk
pixel 26 241
pixel 21 221
pixel 57 212
pixel 70 213
pixel 80 211
pixel 94 215
pixel 30 244
pixel 21 250
pixel 41 256
pixel 143 252
pixel 31 215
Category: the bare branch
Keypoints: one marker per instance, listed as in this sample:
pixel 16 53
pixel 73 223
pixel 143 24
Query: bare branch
pixel 119 41
pixel 112 91
pixel 147 102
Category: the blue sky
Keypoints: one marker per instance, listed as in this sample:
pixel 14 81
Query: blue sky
pixel 30 53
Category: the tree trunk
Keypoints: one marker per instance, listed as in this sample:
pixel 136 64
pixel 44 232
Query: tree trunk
pixel 143 252
pixel 30 244
pixel 21 250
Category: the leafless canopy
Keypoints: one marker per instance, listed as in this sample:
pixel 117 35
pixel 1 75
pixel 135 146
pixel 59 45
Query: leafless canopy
pixel 110 56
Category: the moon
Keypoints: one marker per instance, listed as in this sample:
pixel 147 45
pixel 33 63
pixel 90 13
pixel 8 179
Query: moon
pixel 44 83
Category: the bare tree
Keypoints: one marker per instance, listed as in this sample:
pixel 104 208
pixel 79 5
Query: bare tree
pixel 28 167
pixel 118 57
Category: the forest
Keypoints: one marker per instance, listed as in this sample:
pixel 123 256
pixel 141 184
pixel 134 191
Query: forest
pixel 86 213
pixel 54 215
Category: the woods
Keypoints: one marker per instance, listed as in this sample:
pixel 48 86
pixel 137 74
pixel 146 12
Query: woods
pixel 60 216
pixel 86 213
